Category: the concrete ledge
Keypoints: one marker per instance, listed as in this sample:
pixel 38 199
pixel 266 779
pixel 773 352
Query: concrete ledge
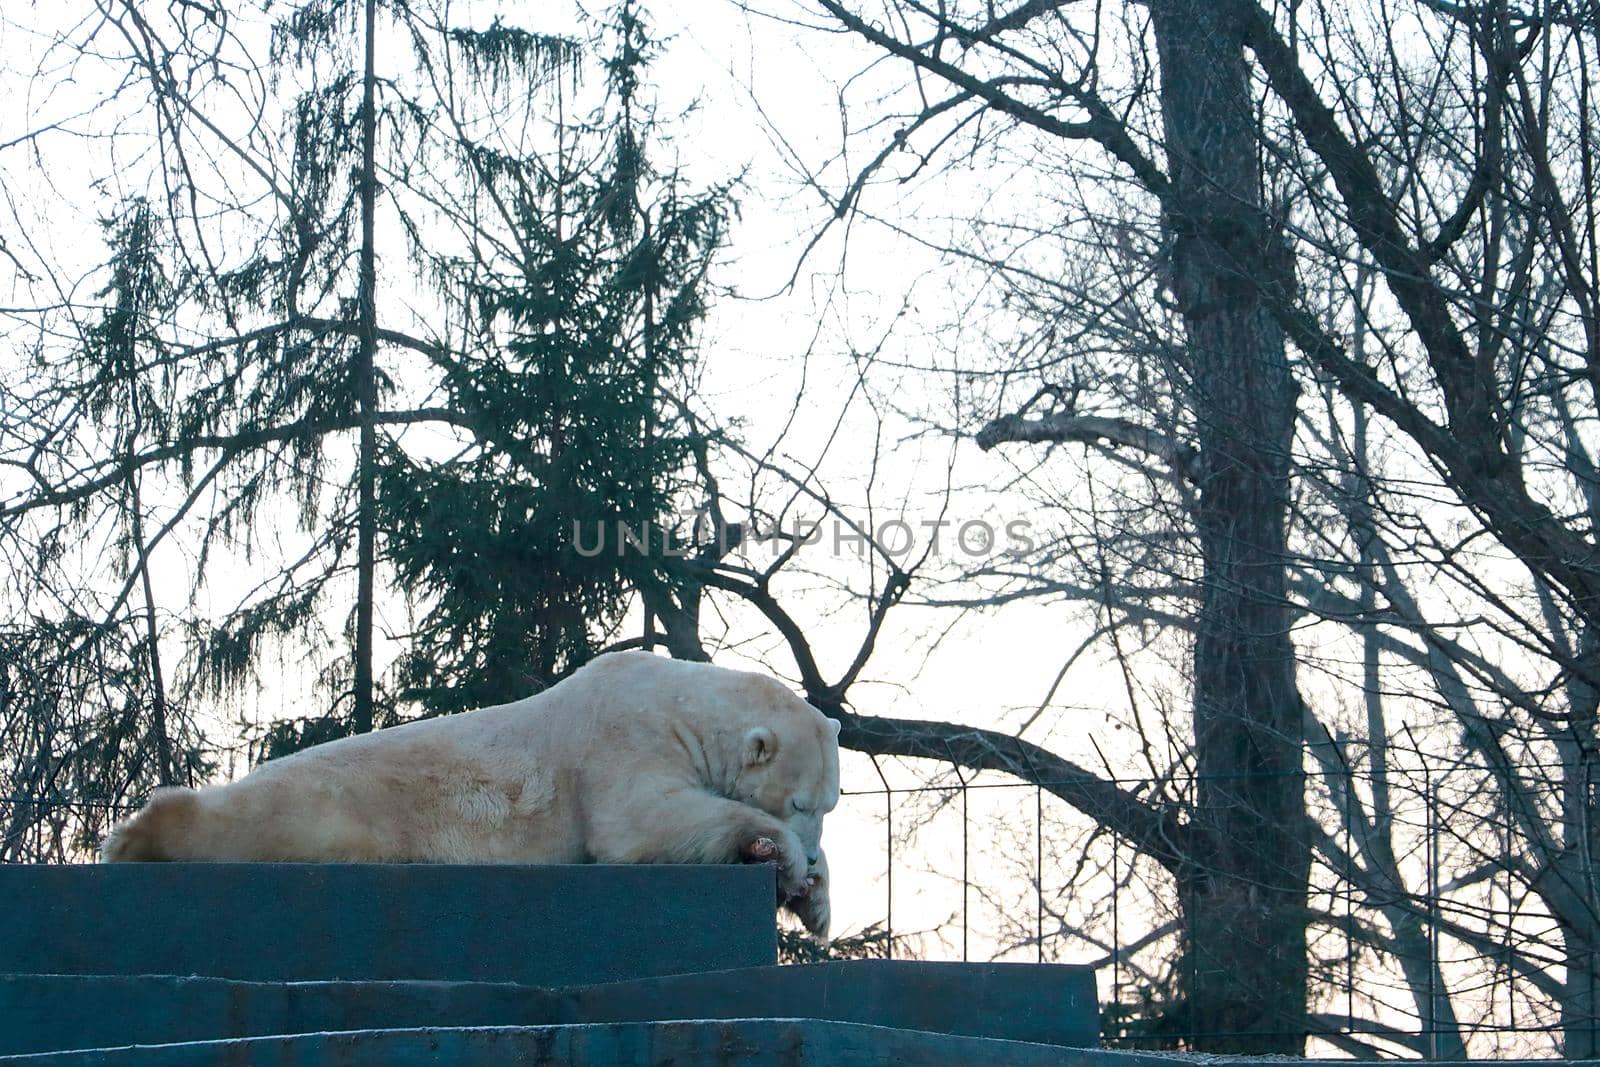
pixel 1022 1002
pixel 547 926
pixel 736 1043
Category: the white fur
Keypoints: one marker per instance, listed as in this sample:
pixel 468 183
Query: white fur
pixel 633 759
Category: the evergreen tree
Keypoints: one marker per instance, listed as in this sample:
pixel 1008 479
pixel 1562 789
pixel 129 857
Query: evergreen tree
pixel 584 338
pixel 258 358
pixel 84 704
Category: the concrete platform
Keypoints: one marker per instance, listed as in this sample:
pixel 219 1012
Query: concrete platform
pixel 543 926
pixel 177 965
pixel 1020 1002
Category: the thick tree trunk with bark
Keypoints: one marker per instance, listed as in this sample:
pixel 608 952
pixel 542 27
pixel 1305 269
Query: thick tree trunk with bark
pixel 1243 888
pixel 1580 992
pixel 1573 891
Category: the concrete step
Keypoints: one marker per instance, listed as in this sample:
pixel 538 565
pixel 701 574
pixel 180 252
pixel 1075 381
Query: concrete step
pixel 1043 1003
pixel 734 1043
pixel 1046 1004
pixel 544 926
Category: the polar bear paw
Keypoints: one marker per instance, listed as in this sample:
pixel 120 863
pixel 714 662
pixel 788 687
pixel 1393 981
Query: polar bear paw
pixel 789 859
pixel 760 850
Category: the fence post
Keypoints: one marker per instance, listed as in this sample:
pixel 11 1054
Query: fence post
pixel 1038 870
pixel 966 881
pixel 888 851
pixel 1433 911
pixel 1116 925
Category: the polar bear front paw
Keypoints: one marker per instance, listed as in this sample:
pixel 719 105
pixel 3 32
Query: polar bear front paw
pixel 790 861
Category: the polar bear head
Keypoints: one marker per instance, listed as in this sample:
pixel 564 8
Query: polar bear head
pixel 788 762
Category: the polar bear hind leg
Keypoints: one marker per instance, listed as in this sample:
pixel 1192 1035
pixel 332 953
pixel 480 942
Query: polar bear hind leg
pixel 159 832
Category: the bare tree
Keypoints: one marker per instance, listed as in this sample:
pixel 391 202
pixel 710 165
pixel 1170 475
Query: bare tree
pixel 1419 175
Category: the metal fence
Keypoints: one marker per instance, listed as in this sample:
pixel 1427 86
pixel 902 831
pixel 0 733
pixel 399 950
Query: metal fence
pixel 1452 909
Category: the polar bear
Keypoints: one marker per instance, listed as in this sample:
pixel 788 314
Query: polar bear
pixel 635 758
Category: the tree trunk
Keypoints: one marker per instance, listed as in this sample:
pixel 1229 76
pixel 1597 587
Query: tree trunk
pixel 1575 898
pixel 166 762
pixel 1243 889
pixel 366 389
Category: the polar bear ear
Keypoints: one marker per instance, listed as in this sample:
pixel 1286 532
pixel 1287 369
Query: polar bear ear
pixel 760 745
pixel 833 724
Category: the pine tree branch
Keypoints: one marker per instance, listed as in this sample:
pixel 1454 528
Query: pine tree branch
pixel 233 445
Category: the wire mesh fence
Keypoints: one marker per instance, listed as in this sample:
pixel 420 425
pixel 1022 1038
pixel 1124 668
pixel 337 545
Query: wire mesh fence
pixel 1451 908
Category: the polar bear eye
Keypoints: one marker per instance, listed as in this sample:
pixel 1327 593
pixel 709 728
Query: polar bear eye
pixel 798 808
